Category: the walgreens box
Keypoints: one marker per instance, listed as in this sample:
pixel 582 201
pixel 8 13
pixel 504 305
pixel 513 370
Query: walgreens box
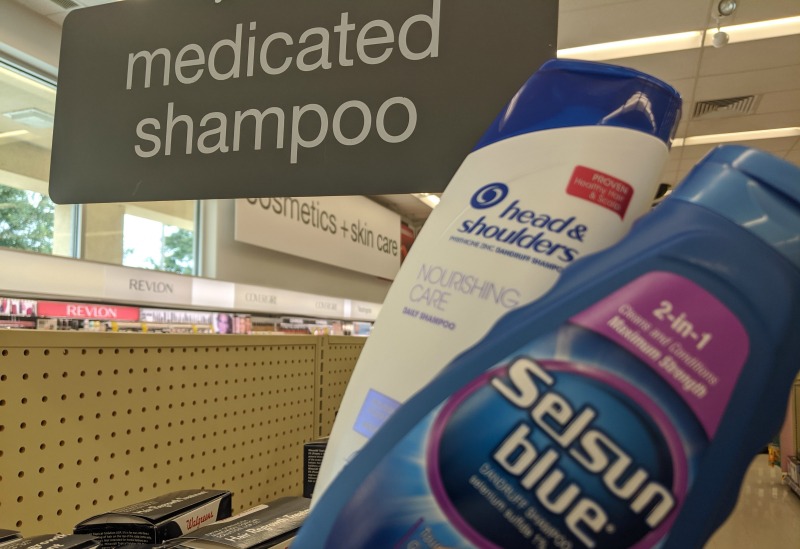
pixel 7 536
pixel 158 520
pixel 273 527
pixel 52 541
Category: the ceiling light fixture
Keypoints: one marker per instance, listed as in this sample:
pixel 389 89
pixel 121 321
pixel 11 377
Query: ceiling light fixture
pixel 721 38
pixel 429 199
pixel 28 81
pixel 726 7
pixel 738 136
pixel 36 118
pixel 635 47
pixel 760 30
pixel 13 133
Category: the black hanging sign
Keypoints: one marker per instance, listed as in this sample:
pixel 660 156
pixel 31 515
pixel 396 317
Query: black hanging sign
pixel 195 99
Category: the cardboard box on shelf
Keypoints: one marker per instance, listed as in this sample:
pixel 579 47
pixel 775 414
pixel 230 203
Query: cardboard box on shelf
pixel 160 519
pixel 272 527
pixel 312 460
pixel 56 541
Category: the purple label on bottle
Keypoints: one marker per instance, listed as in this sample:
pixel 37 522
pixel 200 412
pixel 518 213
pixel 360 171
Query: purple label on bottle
pixel 580 437
pixel 684 333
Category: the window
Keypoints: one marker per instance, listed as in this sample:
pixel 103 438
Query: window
pixel 151 244
pixel 28 218
pixel 151 235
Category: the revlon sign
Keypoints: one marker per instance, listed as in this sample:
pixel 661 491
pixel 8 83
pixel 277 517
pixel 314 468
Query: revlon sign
pixel 59 309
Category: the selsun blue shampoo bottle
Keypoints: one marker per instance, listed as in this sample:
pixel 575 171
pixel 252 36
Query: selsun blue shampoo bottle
pixel 618 411
pixel 567 166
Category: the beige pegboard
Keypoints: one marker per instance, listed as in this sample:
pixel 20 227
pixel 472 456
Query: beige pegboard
pixel 338 359
pixel 91 422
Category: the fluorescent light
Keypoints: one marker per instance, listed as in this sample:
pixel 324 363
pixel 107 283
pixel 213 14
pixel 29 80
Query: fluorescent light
pixel 758 30
pixel 26 80
pixel 739 136
pixel 431 200
pixel 13 133
pixel 682 41
pixel 636 46
pixel 31 116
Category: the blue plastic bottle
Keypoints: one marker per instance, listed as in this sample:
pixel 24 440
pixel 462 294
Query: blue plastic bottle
pixel 620 410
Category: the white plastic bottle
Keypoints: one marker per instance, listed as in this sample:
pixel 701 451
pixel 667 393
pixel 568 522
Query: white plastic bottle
pixel 563 172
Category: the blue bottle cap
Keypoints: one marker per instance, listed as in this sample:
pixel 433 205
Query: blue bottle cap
pixel 567 92
pixel 754 189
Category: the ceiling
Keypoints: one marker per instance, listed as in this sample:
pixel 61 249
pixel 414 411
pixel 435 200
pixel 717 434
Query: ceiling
pixel 768 69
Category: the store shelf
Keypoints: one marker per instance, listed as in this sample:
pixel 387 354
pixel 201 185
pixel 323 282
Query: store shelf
pixel 90 422
pixel 793 485
pixel 337 361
